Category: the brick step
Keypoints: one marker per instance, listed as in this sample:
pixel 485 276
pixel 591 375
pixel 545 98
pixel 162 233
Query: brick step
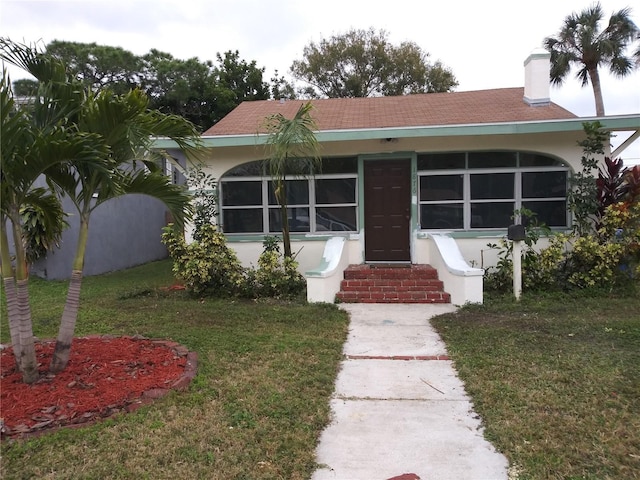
pixel 393 297
pixel 400 284
pixel 392 284
pixel 403 271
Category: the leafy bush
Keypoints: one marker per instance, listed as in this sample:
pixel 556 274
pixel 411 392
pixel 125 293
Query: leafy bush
pixel 206 266
pixel 607 259
pixel 205 200
pixel 500 277
pixel 277 276
pixel 583 196
pixel 43 222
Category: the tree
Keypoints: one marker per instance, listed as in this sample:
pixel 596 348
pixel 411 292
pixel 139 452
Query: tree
pixel 25 87
pixel 581 42
pixel 243 80
pixel 201 92
pixel 99 66
pixel 111 156
pixel 181 87
pixel 126 127
pixel 33 141
pixel 281 89
pixel 293 150
pixel 362 63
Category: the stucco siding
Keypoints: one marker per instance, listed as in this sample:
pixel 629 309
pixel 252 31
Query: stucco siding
pixel 123 232
pixel 554 144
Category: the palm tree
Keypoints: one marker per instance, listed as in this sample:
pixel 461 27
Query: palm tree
pixel 111 156
pixel 583 43
pixel 125 126
pixel 293 149
pixel 32 142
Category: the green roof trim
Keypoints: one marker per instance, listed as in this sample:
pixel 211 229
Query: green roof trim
pixel 612 123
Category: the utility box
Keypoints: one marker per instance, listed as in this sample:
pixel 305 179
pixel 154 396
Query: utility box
pixel 516 233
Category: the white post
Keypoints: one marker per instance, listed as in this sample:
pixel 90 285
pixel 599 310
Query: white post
pixel 517 268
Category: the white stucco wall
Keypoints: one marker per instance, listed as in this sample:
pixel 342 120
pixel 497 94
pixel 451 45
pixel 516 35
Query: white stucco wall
pixel 473 247
pixel 562 145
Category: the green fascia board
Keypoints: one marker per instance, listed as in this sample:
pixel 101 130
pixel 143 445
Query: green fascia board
pixel 613 123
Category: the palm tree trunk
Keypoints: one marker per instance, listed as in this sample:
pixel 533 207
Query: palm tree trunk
pixel 281 197
pixel 9 282
pixel 13 314
pixel 597 91
pixel 70 313
pixel 26 360
pixel 286 240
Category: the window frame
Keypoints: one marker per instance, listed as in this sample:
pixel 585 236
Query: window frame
pixel 517 200
pixel 266 207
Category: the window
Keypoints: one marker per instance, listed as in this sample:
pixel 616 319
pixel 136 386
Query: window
pixel 442 201
pixel 481 190
pixel 325 202
pixel 335 204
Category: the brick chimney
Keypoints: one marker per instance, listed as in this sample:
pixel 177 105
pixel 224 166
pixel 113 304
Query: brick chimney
pixel 536 78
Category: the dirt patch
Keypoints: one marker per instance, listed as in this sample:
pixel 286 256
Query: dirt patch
pixel 105 376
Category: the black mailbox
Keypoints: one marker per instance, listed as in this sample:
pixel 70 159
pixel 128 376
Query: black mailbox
pixel 516 233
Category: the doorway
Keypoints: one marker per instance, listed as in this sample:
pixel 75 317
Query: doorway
pixel 387 210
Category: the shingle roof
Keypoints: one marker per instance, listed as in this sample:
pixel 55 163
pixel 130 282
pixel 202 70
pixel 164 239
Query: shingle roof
pixel 432 109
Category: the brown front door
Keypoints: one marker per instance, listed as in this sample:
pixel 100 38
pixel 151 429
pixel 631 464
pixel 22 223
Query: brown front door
pixel 387 204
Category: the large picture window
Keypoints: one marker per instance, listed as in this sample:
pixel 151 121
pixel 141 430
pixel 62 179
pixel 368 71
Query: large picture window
pixel 324 202
pixel 481 190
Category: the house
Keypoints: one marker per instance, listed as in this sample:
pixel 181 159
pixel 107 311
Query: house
pixel 418 179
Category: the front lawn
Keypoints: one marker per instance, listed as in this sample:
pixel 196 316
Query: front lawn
pixel 256 408
pixel 556 380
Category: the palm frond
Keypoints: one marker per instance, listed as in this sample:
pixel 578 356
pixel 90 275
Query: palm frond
pixel 290 139
pixel 43 221
pixel 45 68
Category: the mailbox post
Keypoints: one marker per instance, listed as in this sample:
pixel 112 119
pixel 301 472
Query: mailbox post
pixel 516 233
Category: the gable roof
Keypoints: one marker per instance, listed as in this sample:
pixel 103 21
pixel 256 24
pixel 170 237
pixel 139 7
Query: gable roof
pixel 503 105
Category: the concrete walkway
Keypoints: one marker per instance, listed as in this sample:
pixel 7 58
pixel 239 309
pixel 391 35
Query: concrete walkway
pixel 399 409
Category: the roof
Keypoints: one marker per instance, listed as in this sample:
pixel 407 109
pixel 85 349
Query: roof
pixel 504 105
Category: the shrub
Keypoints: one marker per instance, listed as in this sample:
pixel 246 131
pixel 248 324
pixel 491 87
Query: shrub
pixel 205 200
pixel 206 266
pixel 277 276
pixel 607 259
pixel 583 197
pixel 500 277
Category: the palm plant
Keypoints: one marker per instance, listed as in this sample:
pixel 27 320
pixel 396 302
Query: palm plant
pixel 293 149
pixel 581 42
pixel 32 142
pixel 111 156
pixel 126 127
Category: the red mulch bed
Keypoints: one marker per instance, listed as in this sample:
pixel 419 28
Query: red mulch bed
pixel 105 375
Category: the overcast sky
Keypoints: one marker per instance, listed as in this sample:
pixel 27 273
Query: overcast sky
pixel 484 42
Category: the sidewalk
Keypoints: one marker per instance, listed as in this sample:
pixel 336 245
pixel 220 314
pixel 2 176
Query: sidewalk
pixel 399 409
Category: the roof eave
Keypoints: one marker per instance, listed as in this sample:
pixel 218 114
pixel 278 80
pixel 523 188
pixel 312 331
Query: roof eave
pixel 612 123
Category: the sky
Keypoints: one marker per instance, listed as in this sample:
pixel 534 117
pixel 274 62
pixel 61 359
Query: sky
pixel 484 43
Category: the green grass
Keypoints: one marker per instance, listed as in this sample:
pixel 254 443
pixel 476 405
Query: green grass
pixel 255 410
pixel 556 380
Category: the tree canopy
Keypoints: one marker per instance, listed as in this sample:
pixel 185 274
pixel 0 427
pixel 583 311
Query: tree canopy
pixel 363 63
pixel 582 42
pixel 99 66
pixel 359 63
pixel 200 91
